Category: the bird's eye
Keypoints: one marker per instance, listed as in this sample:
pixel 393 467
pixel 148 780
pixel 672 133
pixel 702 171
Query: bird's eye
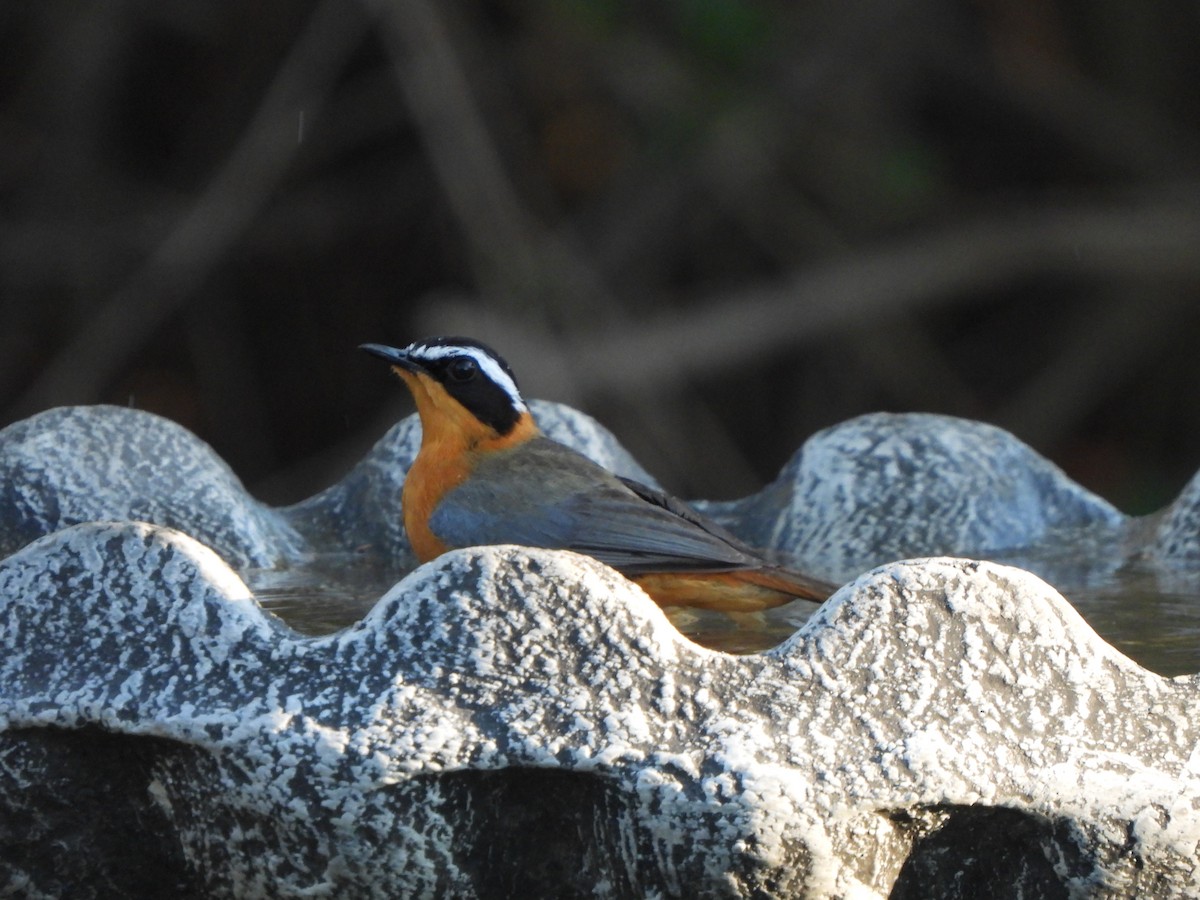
pixel 462 369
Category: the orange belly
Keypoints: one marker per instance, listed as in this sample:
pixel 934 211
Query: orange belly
pixel 724 591
pixel 452 441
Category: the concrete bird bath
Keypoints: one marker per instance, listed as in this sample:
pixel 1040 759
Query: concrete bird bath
pixel 509 722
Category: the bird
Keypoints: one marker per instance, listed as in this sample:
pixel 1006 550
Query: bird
pixel 485 474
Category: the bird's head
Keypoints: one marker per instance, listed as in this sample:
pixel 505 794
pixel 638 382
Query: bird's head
pixel 459 384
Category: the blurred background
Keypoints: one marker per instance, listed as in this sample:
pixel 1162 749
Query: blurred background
pixel 716 225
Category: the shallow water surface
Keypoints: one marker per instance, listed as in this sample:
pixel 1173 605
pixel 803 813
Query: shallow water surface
pixel 326 594
pixel 1150 612
pixel 1151 615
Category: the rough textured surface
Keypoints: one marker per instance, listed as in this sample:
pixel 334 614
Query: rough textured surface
pixel 874 489
pixel 83 464
pixel 889 486
pixel 1176 535
pixel 510 720
pixel 507 722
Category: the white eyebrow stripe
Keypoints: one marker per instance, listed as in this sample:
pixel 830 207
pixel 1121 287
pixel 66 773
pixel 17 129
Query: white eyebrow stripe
pixel 486 362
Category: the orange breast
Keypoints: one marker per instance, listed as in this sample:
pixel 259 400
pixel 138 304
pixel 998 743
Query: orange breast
pixel 433 474
pixel 452 441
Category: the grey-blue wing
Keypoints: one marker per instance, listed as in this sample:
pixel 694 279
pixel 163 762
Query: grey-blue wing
pixel 543 494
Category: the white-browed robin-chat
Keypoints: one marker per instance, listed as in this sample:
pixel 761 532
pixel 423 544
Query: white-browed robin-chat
pixel 485 474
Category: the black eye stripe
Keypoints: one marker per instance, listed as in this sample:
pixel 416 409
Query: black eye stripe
pixel 475 376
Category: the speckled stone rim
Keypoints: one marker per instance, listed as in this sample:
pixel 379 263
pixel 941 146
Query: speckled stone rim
pixel 856 495
pixel 926 710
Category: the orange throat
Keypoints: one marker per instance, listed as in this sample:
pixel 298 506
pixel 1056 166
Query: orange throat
pixel 452 442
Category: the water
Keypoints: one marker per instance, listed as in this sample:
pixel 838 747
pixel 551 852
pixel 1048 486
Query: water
pixel 1155 623
pixel 1150 614
pixel 328 593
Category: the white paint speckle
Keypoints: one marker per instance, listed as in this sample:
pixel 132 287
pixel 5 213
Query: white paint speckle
pixel 930 683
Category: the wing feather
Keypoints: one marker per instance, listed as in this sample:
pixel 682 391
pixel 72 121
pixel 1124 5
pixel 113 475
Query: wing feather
pixel 543 494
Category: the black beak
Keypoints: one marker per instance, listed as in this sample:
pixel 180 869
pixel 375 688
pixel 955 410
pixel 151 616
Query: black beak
pixel 394 356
